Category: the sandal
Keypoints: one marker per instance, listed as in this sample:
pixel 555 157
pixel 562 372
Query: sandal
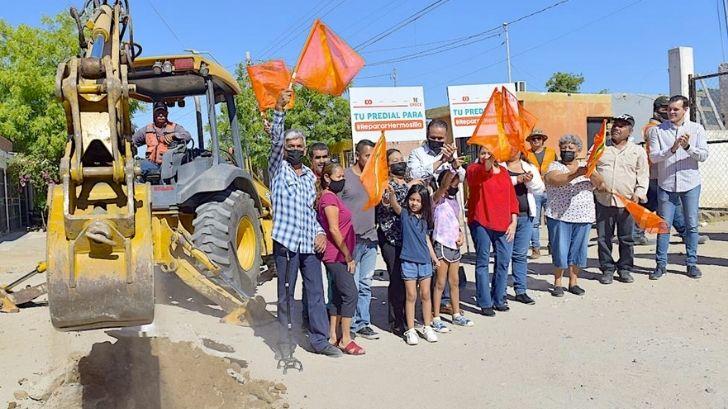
pixel 352 348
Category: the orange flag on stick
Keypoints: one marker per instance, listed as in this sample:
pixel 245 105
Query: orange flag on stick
pixel 649 221
pixel 375 175
pixel 327 64
pixel 268 80
pixel 597 149
pixel 503 126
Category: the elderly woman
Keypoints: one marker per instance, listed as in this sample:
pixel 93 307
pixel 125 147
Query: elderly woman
pixel 569 212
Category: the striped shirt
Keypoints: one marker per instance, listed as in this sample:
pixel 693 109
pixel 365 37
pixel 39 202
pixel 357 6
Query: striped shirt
pixel 677 172
pixel 293 196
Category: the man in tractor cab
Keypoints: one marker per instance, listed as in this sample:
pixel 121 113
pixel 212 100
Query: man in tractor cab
pixel 158 135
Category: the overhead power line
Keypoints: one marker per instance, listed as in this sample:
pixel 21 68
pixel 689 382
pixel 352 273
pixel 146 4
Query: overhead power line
pixel 151 4
pixel 464 40
pixel 305 28
pixel 303 21
pixel 409 20
pixel 558 37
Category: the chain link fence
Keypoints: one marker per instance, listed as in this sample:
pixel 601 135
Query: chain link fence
pixel 709 107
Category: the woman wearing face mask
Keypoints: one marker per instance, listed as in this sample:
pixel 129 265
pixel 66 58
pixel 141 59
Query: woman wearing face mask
pixel 389 231
pixel 492 219
pixel 527 182
pixel 569 213
pixel 335 219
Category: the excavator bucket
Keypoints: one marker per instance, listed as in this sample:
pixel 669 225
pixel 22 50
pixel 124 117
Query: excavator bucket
pixel 100 269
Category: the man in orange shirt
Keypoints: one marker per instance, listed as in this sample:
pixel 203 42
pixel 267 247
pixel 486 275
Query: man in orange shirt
pixel 541 157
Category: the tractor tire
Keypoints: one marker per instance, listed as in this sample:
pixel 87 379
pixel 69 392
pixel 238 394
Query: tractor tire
pixel 227 229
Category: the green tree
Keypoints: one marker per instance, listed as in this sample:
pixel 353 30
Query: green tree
pixel 564 82
pixel 323 118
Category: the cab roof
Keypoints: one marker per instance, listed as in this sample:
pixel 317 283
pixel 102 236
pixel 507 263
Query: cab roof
pixel 178 76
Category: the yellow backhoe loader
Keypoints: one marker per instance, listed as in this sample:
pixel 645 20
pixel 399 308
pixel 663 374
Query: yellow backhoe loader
pixel 203 218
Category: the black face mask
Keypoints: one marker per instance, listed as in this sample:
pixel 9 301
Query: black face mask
pixel 294 156
pixel 337 186
pixel 568 156
pixel 436 146
pixel 398 169
pixel 662 115
pixel 452 191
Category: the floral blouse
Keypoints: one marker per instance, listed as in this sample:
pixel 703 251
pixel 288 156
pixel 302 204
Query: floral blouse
pixel 573 202
pixel 388 221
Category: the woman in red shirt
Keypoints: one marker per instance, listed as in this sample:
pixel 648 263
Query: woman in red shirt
pixel 492 218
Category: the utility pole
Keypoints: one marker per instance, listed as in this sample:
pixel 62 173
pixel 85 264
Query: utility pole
pixel 393 76
pixel 248 60
pixel 508 52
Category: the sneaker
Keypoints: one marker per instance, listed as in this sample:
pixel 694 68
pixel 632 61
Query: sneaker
pixel 524 298
pixel 460 319
pixel 701 239
pixel 694 272
pixel 368 333
pixel 502 308
pixel 558 292
pixel 331 351
pixel 410 336
pixel 439 326
pixel 641 241
pixel 607 277
pixel 576 290
pixel 488 312
pixel 657 273
pixel 535 253
pixel 625 276
pixel 429 334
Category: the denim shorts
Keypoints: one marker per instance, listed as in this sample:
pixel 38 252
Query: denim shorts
pixel 416 271
pixel 568 242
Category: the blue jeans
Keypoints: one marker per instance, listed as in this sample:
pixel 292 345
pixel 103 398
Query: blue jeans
pixel 287 264
pixel 519 259
pixel 668 203
pixel 365 255
pixel 148 166
pixel 490 293
pixel 569 243
pixel 536 233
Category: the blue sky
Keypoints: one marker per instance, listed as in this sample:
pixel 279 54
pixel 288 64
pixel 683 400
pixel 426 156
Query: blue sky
pixel 619 45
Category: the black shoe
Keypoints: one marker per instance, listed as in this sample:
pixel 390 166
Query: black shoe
pixel 694 272
pixel 331 351
pixel 558 292
pixel 368 333
pixel 607 277
pixel 657 273
pixel 576 290
pixel 502 308
pixel 625 276
pixel 488 312
pixel 398 331
pixel 524 298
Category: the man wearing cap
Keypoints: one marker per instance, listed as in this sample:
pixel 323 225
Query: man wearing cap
pixel 623 165
pixel 157 136
pixel 677 146
pixel 540 156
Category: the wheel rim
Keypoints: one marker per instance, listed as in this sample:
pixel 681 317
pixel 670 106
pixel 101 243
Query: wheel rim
pixel 245 243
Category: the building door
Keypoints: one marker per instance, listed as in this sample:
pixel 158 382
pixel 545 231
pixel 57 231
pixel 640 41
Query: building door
pixel 593 125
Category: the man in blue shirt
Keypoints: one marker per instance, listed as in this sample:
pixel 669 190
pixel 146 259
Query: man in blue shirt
pixel 297 235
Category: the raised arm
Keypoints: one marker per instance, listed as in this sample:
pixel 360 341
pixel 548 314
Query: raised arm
pixel 393 200
pixel 556 178
pixel 276 133
pixel 442 189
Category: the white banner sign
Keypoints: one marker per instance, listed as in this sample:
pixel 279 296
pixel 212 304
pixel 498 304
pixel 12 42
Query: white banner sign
pixel 399 111
pixel 467 103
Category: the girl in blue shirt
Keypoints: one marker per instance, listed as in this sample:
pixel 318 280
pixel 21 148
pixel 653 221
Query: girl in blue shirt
pixel 417 256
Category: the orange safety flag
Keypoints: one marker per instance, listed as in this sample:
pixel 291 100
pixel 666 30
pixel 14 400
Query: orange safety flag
pixel 503 126
pixel 268 80
pixel 375 175
pixel 647 220
pixel 327 64
pixel 597 149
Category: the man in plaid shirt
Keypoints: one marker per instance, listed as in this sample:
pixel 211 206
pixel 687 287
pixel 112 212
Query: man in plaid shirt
pixel 297 235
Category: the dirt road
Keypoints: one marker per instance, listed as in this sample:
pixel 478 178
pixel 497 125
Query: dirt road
pixel 646 344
